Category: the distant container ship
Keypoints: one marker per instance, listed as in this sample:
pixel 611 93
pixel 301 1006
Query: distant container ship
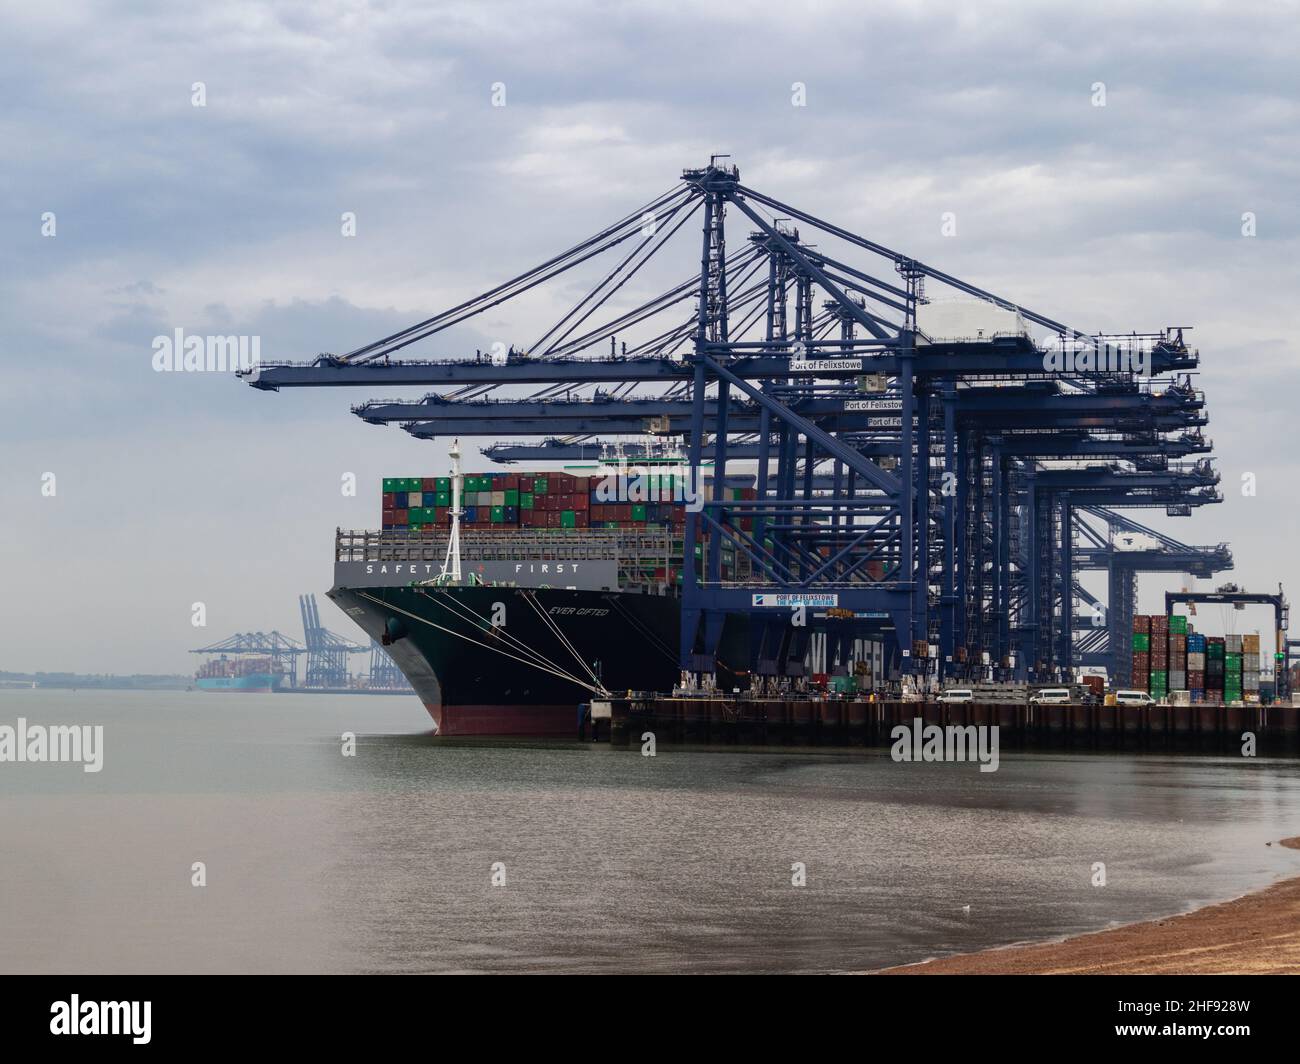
pixel 569 588
pixel 245 676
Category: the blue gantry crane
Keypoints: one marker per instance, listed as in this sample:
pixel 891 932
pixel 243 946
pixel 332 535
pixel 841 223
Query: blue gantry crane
pixel 327 653
pixel 924 470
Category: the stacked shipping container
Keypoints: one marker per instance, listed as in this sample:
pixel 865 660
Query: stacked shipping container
pixel 1196 666
pixel 544 500
pixel 503 501
pixel 1141 652
pixel 1167 656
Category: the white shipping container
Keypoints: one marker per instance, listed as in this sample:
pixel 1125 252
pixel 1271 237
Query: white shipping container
pixel 414 498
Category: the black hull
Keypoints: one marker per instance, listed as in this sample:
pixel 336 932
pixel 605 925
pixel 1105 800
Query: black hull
pixel 520 678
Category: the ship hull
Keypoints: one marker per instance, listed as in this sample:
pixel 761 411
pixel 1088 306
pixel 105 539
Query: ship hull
pixel 550 651
pixel 256 683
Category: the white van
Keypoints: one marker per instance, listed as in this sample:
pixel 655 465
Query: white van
pixel 1133 698
pixel 1050 696
pixel 957 694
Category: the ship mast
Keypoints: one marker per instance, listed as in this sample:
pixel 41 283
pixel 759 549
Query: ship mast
pixel 451 565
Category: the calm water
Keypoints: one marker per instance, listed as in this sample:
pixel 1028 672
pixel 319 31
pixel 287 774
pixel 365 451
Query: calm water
pixel 614 862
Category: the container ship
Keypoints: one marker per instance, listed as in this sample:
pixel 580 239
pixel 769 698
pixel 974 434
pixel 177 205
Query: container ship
pixel 509 600
pixel 243 675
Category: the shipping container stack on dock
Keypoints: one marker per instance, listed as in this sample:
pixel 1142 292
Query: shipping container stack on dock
pixel 1214 669
pixel 1196 647
pixel 1250 666
pixel 1159 679
pixel 1141 652
pixel 1168 656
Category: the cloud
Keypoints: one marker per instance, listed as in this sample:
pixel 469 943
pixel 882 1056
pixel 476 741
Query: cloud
pixel 227 218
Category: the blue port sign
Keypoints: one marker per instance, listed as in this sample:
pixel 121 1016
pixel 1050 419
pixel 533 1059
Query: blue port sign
pixel 788 601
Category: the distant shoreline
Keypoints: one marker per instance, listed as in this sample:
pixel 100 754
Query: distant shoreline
pixel 95 683
pixel 1256 934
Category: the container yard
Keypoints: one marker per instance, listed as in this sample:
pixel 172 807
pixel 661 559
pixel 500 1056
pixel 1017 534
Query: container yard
pixel 816 474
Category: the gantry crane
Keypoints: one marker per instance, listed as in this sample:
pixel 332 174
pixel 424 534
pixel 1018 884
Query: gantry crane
pixel 913 485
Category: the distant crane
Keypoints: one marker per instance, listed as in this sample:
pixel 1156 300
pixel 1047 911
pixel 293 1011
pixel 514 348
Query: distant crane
pixel 281 649
pixel 327 653
pixel 384 673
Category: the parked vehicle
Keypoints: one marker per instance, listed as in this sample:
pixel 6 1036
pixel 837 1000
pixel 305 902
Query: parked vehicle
pixel 1050 696
pixel 957 694
pixel 1133 698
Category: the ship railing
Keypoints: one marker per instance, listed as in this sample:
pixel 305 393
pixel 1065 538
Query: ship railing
pixel 365 545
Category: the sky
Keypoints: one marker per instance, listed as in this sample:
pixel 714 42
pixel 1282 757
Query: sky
pixel 127 212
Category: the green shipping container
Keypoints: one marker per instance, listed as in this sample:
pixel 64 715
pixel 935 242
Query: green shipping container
pixel 539 486
pixel 512 497
pixel 525 500
pixel 416 528
pixel 442 498
pixel 1178 624
pixel 390 484
pixel 1141 641
pixel 442 483
pixel 638 512
pixel 498 514
pixel 568 519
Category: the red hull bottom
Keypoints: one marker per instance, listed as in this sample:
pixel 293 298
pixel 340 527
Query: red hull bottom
pixel 553 721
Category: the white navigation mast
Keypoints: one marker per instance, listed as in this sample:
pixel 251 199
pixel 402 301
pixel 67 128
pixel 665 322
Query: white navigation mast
pixel 451 565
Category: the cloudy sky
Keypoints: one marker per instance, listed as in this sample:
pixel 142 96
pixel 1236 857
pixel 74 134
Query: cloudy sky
pixel 180 488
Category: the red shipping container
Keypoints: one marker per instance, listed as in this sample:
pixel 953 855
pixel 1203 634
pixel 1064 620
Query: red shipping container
pixel 428 484
pixel 512 482
pixel 623 512
pixel 1141 623
pixel 443 514
pixel 553 519
pixel 580 519
pixel 390 517
pixel 579 502
pixel 402 516
pixel 390 500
